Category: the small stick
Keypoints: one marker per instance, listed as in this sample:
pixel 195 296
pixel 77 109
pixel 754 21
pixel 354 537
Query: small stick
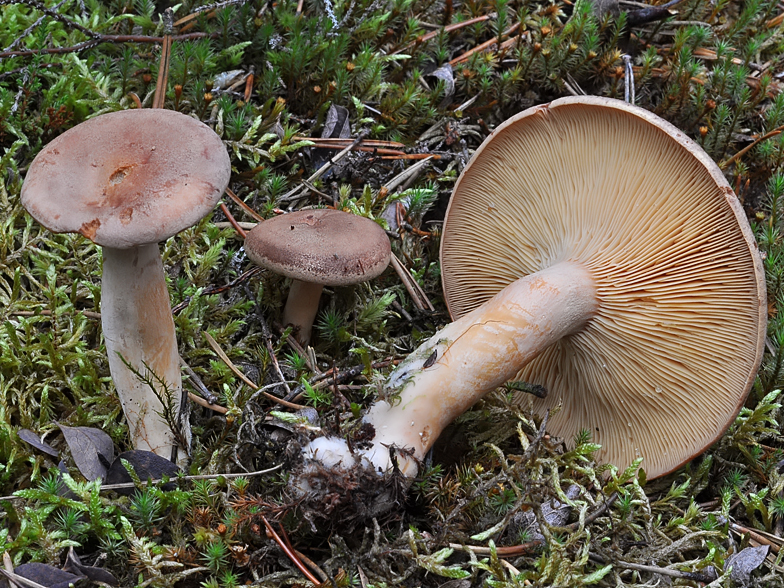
pixel 447 29
pixel 406 174
pixel 742 152
pixel 217 349
pixel 291 555
pixel 759 536
pixel 299 350
pixel 98 39
pixel 265 332
pixel 595 514
pixel 412 156
pixel 233 221
pixel 211 405
pixel 508 551
pixel 8 565
pixel 125 485
pixel 305 559
pixel 293 193
pixel 244 225
pixel 88 313
pixel 483 46
pixel 694 576
pixel 163 69
pixel 209 7
pixel 218 289
pixel 244 206
pixel 414 290
pixel 337 141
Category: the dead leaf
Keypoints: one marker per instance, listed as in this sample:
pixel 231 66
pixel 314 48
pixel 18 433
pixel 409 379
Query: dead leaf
pixel 86 444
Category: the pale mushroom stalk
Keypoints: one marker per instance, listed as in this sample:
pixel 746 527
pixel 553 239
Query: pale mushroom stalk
pixel 302 306
pixel 138 328
pixel 475 354
pixel 128 180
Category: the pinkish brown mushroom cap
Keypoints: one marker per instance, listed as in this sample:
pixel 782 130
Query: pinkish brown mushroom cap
pixel 321 246
pixel 128 178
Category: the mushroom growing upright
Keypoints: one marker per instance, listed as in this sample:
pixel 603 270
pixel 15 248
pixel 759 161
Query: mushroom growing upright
pixel 317 248
pixel 127 180
pixel 591 248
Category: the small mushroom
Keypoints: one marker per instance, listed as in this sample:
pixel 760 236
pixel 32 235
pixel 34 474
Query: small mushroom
pixel 317 248
pixel 127 180
pixel 593 249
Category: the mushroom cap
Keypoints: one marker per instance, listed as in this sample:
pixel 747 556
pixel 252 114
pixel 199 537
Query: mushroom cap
pixel 666 364
pixel 128 178
pixel 321 246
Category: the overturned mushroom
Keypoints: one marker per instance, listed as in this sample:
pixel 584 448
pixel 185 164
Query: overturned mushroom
pixel 317 248
pixel 591 248
pixel 127 180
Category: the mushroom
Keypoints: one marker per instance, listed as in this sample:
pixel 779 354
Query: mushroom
pixel 591 248
pixel 127 180
pixel 317 248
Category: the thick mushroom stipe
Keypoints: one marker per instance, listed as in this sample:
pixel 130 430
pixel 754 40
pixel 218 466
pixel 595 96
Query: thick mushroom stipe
pixel 138 328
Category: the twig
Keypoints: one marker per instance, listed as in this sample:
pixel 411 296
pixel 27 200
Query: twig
pixel 299 350
pixel 291 555
pixel 265 333
pixel 88 313
pixel 406 174
pixel 305 559
pixel 8 565
pixel 32 27
pixel 163 69
pixel 233 221
pixel 244 206
pixel 124 485
pixel 341 143
pixel 294 193
pixel 218 289
pixel 244 225
pixel 694 576
pixel 762 537
pixel 411 156
pixel 208 396
pixel 100 38
pixel 508 551
pixel 52 13
pixel 447 29
pixel 595 514
pixel 643 16
pixel 414 290
pixel 19 581
pixel 484 46
pixel 217 349
pixel 742 152
pixel 202 402
pixel 207 8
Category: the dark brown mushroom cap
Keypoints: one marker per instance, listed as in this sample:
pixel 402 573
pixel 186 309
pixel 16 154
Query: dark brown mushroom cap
pixel 128 178
pixel 322 246
pixel 667 362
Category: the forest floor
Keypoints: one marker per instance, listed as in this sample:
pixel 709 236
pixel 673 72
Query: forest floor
pixel 288 87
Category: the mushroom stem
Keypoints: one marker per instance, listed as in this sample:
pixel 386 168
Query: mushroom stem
pixel 475 354
pixel 138 327
pixel 301 308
